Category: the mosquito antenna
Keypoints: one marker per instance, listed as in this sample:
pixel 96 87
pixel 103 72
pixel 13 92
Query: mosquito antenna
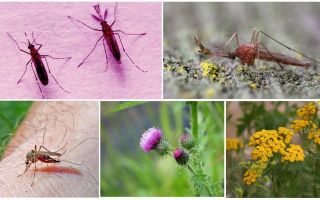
pixel 27 37
pixel 97 8
pixel 105 14
pixel 289 47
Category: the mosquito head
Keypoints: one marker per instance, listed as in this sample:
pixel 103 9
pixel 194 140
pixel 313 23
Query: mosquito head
pixel 30 157
pixel 30 46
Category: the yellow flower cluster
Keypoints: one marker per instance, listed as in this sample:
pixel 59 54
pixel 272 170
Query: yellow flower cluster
pixel 285 134
pixel 234 144
pixel 299 124
pixel 307 111
pixel 293 153
pixel 251 175
pixel 315 135
pixel 209 69
pixel 267 142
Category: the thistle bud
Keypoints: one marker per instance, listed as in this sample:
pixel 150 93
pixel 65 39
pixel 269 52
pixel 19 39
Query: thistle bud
pixel 181 156
pixel 187 141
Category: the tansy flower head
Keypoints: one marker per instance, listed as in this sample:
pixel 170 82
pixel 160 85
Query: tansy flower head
pixel 150 139
pixel 181 156
pixel 307 111
pixel 234 144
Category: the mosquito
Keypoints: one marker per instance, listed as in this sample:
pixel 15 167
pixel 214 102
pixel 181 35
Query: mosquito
pixel 247 53
pixel 37 63
pixel 44 155
pixel 108 36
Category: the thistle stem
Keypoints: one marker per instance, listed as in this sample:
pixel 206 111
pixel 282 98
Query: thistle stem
pixel 205 185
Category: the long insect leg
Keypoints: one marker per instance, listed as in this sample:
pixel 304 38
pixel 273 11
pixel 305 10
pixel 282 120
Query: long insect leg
pixel 54 77
pixel 270 54
pixel 90 52
pixel 83 23
pixel 37 80
pixel 272 38
pixel 24 71
pixel 120 31
pixel 17 44
pixel 115 14
pixel 127 53
pixel 59 58
pixel 34 173
pixel 28 166
pixel 235 35
pixel 105 52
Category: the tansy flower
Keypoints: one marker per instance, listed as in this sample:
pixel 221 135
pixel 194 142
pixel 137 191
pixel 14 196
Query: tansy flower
pixel 307 111
pixel 299 124
pixel 234 144
pixel 293 153
pixel 150 139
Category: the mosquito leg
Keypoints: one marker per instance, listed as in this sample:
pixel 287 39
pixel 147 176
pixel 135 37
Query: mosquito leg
pixel 61 58
pixel 90 52
pixel 34 41
pixel 28 166
pixel 34 173
pixel 37 80
pixel 83 23
pixel 235 35
pixel 272 38
pixel 17 44
pixel 24 71
pixel 127 53
pixel 114 14
pixel 120 31
pixel 270 54
pixel 54 77
pixel 105 52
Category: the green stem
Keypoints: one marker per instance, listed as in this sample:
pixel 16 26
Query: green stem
pixel 194 118
pixel 316 176
pixel 273 184
pixel 205 185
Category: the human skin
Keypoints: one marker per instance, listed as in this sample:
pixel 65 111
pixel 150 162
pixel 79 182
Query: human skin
pixel 75 124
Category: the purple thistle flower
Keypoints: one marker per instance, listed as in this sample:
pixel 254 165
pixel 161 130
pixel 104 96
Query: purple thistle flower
pixel 150 139
pixel 187 141
pixel 181 156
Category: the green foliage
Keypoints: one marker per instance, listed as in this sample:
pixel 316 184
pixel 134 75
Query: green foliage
pixel 12 113
pixel 127 171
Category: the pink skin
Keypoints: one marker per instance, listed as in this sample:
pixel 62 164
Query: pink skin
pixel 62 37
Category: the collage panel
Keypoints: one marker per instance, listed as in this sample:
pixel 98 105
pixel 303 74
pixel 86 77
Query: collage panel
pixel 81 50
pixel 241 50
pixel 49 149
pixel 272 149
pixel 162 149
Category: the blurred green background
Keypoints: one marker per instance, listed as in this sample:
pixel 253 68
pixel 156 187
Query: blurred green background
pixel 12 113
pixel 127 171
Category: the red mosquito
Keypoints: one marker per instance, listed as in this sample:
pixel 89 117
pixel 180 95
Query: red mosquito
pixel 247 53
pixel 108 36
pixel 36 59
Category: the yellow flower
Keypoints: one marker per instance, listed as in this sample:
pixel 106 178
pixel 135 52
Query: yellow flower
pixel 299 124
pixel 314 135
pixel 307 111
pixel 293 153
pixel 256 170
pixel 234 144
